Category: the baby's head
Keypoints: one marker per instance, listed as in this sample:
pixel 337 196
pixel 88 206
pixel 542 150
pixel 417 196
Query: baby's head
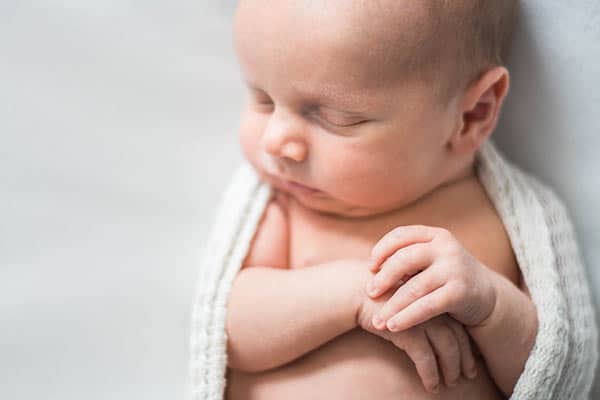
pixel 374 103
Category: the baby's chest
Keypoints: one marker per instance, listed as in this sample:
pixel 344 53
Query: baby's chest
pixel 314 240
pixel 312 243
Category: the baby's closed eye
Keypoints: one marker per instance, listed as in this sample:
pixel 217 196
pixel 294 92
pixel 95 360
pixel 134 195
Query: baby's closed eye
pixel 340 118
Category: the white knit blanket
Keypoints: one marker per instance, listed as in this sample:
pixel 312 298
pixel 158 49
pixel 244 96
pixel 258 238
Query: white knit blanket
pixel 563 360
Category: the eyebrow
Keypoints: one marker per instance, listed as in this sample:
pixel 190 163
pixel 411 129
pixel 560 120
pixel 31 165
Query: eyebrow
pixel 334 99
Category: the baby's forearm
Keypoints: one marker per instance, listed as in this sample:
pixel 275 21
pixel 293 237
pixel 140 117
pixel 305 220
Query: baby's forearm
pixel 277 315
pixel 506 338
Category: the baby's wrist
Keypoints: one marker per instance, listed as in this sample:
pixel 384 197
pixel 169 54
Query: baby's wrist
pixel 347 279
pixel 490 298
pixel 360 275
pixel 507 298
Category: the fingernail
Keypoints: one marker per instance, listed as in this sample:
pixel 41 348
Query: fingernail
pixel 391 325
pixel 372 288
pixel 472 373
pixel 377 321
pixel 373 264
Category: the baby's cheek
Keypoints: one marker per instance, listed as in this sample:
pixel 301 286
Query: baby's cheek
pixel 359 178
pixel 251 128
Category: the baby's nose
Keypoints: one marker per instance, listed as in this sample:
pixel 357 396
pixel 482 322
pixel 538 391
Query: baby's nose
pixel 294 150
pixel 283 138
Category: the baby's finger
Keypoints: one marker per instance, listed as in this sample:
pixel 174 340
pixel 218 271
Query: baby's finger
pixel 421 310
pixel 413 293
pixel 467 359
pixel 446 348
pixel 421 353
pixel 398 238
pixel 402 264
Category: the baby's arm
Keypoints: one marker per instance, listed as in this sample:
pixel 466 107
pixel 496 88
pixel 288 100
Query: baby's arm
pixel 276 315
pixel 269 247
pixel 506 337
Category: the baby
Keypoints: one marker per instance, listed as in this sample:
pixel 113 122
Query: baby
pixel 380 269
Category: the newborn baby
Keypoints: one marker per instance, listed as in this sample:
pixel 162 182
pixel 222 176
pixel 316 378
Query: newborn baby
pixel 380 268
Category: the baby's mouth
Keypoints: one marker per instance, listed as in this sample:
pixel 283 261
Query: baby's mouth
pixel 289 185
pixel 298 187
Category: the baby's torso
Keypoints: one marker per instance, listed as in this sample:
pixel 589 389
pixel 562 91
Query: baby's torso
pixel 358 364
pixel 464 209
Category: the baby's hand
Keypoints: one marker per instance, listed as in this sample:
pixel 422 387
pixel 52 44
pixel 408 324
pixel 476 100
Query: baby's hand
pixel 436 275
pixel 439 343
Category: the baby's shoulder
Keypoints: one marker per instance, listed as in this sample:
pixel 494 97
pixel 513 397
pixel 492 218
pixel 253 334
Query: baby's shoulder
pixel 269 246
pixel 483 233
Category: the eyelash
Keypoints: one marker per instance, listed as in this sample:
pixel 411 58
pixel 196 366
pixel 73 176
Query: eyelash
pixel 269 106
pixel 339 125
pixel 321 118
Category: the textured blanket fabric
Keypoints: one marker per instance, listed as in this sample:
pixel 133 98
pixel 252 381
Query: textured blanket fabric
pixel 563 360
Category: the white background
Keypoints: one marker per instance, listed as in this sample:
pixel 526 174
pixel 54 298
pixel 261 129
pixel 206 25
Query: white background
pixel 118 123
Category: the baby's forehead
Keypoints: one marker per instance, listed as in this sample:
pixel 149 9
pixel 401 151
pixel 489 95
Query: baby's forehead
pixel 377 35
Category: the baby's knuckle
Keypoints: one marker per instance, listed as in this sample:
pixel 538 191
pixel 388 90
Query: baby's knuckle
pixel 461 336
pixel 410 255
pixel 427 360
pixel 396 233
pixel 443 233
pixel 463 342
pixel 385 280
pixel 414 291
pixel 453 354
pixel 398 258
pixel 460 290
pixel 447 339
pixel 427 308
pixel 454 251
pixel 462 275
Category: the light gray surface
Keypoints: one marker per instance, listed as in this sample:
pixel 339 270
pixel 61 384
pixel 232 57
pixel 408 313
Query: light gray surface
pixel 118 129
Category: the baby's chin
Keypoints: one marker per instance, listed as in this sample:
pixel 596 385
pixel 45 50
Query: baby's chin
pixel 323 203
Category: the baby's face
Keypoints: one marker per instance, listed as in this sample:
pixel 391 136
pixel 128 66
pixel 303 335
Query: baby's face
pixel 329 109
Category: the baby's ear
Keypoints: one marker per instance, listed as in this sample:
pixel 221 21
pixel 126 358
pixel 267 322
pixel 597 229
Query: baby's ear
pixel 481 106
